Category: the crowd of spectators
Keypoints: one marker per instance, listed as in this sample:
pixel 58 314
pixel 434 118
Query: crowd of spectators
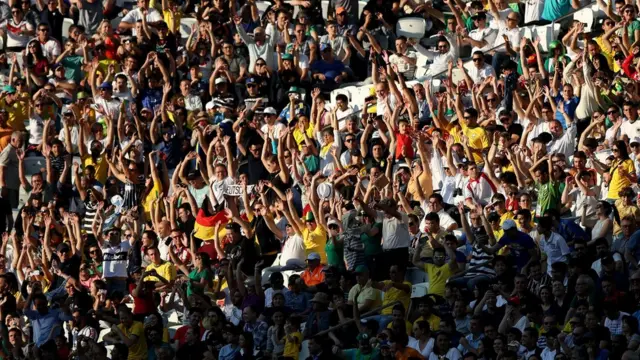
pixel 190 179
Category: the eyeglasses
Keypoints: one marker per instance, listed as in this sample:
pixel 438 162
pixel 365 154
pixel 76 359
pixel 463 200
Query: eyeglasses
pixel 477 59
pixel 251 85
pixel 491 99
pixel 611 112
pixel 615 150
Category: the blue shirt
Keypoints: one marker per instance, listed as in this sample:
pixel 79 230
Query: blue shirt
pixel 42 324
pixel 633 246
pixel 571 231
pixel 520 246
pixel 228 352
pixel 569 107
pixel 298 302
pixel 300 109
pixel 554 9
pixel 323 67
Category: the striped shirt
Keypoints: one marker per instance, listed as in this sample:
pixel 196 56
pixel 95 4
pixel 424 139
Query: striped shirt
pixel 90 210
pixel 535 285
pixel 480 258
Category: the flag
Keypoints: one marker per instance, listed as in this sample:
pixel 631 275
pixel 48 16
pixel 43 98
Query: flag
pixel 205 225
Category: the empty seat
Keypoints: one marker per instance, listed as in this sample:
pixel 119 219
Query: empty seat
pixel 361 5
pixel 411 27
pixel 66 24
pixel 262 7
pixel 324 4
pixel 585 16
pixel 185 26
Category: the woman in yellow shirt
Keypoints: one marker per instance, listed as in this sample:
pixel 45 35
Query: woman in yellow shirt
pixel 622 171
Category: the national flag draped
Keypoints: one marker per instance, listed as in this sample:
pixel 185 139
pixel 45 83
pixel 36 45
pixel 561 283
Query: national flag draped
pixel 205 225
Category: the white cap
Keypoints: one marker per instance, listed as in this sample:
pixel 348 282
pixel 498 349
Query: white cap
pixel 209 105
pixel 508 224
pixel 324 190
pixel 220 80
pixel 270 111
pixel 332 222
pixel 635 140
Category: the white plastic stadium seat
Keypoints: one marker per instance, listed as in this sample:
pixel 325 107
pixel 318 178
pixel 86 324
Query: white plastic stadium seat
pixel 345 90
pixel 262 7
pixel 185 26
pixel 34 164
pixel 304 350
pixel 66 24
pixel 361 5
pixel 324 4
pixel 585 16
pixel 527 32
pixel 411 27
pixel 419 290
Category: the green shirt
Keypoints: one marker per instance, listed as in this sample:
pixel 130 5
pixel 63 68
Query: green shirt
pixel 73 67
pixel 335 253
pixel 196 276
pixel 356 354
pixel 548 197
pixel 372 244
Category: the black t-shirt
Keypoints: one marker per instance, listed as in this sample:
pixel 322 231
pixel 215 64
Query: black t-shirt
pixel 71 267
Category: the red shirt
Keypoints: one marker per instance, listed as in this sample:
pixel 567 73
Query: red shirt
pixel 181 333
pixel 143 303
pixel 403 141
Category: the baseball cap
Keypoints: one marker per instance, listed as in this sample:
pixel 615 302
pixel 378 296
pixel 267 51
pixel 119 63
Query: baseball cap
pixel 635 140
pixel 270 111
pixel 332 222
pixel 313 256
pixel 361 269
pixel 508 225
pixel 220 80
pixel 514 300
pixel 287 57
pixel 82 95
pixel 9 89
pixel 294 89
pixel 106 85
pixel 251 80
pixel 209 106
pixel 63 247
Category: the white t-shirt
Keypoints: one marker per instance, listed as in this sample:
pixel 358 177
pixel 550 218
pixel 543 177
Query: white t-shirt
pixel 555 248
pixel 219 187
pixel 478 75
pixel 51 49
pixel 293 251
pixel 342 115
pixel 112 107
pixel 487 34
pixel 14 38
pixel 405 68
pixel 428 349
pixel 395 232
pixel 274 131
pixel 36 129
pixel 533 10
pixel 134 16
pixel 452 354
pixel 74 132
pixel 115 259
pixel 502 18
pixel 631 129
pixel 513 35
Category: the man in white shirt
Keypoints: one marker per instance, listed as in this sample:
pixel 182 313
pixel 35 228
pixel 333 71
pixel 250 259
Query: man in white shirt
pixel 191 102
pixel 552 244
pixel 50 46
pixel 152 16
pixel 479 70
pixel 482 37
pixel 435 204
pixel 440 59
pixel 271 127
pixel 344 110
pixel 508 30
pixel 404 59
pixel 563 142
pixel 630 126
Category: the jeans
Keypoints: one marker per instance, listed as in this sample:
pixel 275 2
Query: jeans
pixel 470 282
pixel 383 321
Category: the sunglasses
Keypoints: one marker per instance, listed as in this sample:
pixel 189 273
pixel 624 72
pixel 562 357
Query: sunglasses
pixel 491 99
pixel 93 251
pixel 611 112
pixel 348 140
pixel 477 59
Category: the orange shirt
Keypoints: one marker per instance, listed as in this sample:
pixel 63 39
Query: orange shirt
pixel 408 353
pixel 313 278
